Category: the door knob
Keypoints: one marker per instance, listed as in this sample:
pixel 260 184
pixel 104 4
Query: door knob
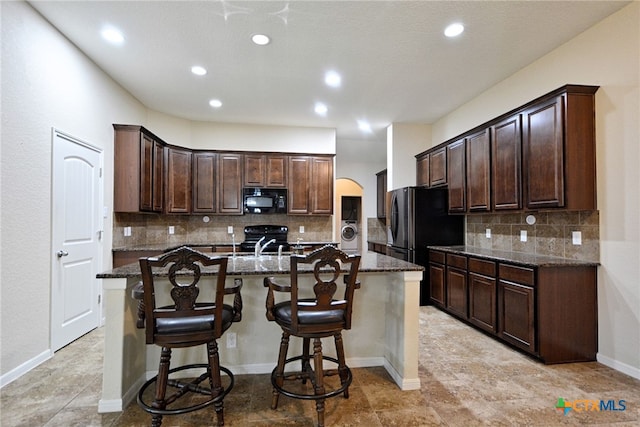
pixel 62 253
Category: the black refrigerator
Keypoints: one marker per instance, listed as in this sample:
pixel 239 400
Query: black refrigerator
pixel 419 217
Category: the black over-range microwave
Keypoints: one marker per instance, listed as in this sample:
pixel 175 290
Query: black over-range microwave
pixel 264 200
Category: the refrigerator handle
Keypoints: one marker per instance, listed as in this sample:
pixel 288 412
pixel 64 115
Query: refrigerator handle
pixel 394 216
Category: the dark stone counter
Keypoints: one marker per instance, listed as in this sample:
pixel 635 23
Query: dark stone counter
pixel 243 265
pixel 520 258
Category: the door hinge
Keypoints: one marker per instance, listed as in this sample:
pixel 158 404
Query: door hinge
pixel 99 298
pixel 100 172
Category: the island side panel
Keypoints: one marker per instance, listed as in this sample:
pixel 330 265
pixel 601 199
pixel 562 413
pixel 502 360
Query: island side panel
pixel 402 328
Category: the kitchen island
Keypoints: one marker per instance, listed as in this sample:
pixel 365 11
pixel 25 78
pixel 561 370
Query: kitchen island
pixel 384 331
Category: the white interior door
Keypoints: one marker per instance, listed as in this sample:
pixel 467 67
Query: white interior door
pixel 76 239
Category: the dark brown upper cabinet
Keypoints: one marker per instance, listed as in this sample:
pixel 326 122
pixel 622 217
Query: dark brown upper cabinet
pixel 438 167
pixel 456 176
pixel 478 179
pixel 178 180
pixel 205 181
pixel 265 170
pixel 506 148
pixel 138 170
pixel 310 185
pixel 422 170
pixel 230 183
pixel 276 174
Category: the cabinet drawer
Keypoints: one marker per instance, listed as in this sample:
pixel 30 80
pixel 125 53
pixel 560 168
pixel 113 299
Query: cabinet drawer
pixel 436 257
pixel 457 261
pixel 517 274
pixel 481 266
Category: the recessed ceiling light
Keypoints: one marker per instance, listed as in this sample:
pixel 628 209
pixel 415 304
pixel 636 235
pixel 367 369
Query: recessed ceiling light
pixel 333 79
pixel 364 126
pixel 112 35
pixel 260 39
pixel 454 30
pixel 198 70
pixel 215 103
pixel 321 109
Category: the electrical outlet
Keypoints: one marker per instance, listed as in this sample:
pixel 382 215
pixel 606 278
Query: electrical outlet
pixel 172 229
pixel 231 340
pixel 487 233
pixel 127 231
pixel 230 229
pixel 523 235
pixel 302 229
pixel 576 237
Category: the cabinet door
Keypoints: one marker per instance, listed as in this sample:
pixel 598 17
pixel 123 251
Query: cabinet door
pixel 299 179
pixel 543 154
pixel 516 314
pixel 456 176
pixel 506 143
pixel 422 171
pixel 381 194
pixel 478 177
pixel 147 151
pixel 482 301
pixel 158 177
pixel 321 186
pixel 254 170
pixel 437 283
pixel 205 166
pixel 230 183
pixel 178 179
pixel 276 173
pixel 457 291
pixel 438 167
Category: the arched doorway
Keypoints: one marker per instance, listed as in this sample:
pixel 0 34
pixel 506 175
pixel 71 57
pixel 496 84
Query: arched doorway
pixel 349 210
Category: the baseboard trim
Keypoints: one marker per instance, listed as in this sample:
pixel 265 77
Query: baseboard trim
pixel 403 383
pixel 632 371
pixel 19 371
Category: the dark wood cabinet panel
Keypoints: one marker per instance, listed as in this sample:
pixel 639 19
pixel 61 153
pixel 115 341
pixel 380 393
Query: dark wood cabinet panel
pixel 276 173
pixel 299 182
pixel 205 168
pixel 543 154
pixel 381 194
pixel 482 301
pixel 438 167
pixel 516 314
pixel 255 170
pixel 138 170
pixel 422 171
pixel 506 146
pixel 456 285
pixel 456 172
pixel 437 283
pixel 321 188
pixel 230 183
pixel 310 185
pixel 478 176
pixel 178 180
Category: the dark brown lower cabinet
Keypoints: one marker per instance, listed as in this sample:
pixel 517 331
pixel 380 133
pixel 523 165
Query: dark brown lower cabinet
pixel 548 311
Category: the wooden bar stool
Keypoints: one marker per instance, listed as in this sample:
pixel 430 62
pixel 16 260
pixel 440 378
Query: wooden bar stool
pixel 186 323
pixel 313 312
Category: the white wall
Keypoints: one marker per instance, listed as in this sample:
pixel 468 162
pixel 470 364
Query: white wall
pixel 404 141
pixel 607 55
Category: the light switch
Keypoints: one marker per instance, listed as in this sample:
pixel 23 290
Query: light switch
pixel 487 233
pixel 301 229
pixel 523 235
pixel 576 237
pixel 172 229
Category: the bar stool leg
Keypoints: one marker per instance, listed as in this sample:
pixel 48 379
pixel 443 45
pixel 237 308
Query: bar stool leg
pixel 306 345
pixel 215 380
pixel 279 376
pixel 161 385
pixel 319 380
pixel 343 371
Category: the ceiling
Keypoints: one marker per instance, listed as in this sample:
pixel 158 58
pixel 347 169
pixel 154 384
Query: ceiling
pixel 396 64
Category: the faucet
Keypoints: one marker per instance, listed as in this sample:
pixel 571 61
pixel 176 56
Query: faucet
pixel 279 251
pixel 265 246
pixel 258 250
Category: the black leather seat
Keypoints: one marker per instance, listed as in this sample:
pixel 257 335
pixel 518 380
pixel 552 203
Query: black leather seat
pixel 186 323
pixel 314 317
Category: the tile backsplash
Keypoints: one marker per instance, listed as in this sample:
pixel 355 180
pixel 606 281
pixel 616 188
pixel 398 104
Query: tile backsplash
pixel 152 230
pixel 552 233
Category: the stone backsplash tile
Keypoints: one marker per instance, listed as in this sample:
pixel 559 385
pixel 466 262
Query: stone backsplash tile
pixel 550 235
pixel 152 229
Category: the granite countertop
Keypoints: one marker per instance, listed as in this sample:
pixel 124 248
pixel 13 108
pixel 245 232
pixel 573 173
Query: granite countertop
pixel 271 264
pixel 528 260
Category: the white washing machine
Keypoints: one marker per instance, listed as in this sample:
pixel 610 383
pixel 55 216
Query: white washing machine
pixel 349 235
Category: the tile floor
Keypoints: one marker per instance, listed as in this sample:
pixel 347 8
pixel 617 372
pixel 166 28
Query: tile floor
pixel 467 379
